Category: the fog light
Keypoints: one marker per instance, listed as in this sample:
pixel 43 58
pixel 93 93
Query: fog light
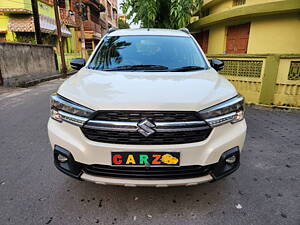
pixel 231 159
pixel 62 158
pixel 238 117
pixel 55 115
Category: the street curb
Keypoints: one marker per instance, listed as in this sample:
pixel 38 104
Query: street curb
pixel 273 107
pixel 43 79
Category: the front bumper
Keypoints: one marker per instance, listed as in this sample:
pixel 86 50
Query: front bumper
pixel 210 152
pixel 109 177
pixel 147 183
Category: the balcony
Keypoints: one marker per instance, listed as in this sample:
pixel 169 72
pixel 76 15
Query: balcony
pixel 91 26
pixel 95 3
pixel 67 18
pixel 245 12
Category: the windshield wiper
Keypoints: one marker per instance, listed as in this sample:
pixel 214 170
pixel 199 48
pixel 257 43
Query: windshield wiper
pixel 187 68
pixel 137 67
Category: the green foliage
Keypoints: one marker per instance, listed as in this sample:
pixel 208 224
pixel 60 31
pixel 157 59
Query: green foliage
pixel 172 14
pixel 29 37
pixel 122 24
pixel 25 37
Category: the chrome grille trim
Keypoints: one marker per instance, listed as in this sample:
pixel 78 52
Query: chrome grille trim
pixel 133 127
pixel 73 119
pixel 220 120
pixel 111 125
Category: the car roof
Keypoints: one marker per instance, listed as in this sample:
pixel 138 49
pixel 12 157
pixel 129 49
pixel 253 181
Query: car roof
pixel 150 31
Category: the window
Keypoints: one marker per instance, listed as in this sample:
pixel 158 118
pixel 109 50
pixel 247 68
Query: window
pixel 166 52
pixel 205 12
pixel 294 73
pixel 114 14
pixel 108 10
pixel 202 39
pixel 94 15
pixel 237 39
pixel 84 13
pixel 238 2
pixel 62 4
pixel 2 37
pixel 89 44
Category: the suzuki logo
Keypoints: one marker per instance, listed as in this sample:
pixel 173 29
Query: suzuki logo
pixel 145 127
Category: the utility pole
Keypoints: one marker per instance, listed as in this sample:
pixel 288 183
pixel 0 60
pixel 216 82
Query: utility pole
pixel 83 55
pixel 35 11
pixel 60 41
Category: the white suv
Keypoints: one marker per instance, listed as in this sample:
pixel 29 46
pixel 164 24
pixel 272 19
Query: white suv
pixel 147 109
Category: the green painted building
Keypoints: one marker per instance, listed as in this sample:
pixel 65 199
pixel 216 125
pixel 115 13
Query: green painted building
pixel 17 25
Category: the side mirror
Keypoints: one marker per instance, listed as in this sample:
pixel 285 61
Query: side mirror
pixel 217 64
pixel 77 63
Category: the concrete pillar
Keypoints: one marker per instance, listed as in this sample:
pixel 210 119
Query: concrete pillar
pixel 269 80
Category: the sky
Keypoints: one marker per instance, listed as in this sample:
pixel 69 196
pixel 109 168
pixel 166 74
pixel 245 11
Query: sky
pixel 119 3
pixel 120 12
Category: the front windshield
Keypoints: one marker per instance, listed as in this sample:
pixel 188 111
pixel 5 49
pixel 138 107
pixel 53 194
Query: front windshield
pixel 155 53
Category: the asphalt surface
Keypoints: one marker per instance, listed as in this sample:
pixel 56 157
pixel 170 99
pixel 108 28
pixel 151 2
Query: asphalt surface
pixel 265 190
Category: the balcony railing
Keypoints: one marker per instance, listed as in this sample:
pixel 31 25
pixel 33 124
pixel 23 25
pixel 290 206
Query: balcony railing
pixel 91 26
pixel 67 18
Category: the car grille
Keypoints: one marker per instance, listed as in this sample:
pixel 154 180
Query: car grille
pixel 149 172
pixel 121 127
pixel 135 116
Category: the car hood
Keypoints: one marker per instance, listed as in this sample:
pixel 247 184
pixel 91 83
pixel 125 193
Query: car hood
pixel 185 91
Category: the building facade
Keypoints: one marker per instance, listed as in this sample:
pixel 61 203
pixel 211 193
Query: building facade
pixel 98 17
pixel 17 25
pixel 248 26
pixel 258 40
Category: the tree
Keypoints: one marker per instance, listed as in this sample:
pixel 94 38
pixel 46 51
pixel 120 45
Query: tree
pixel 171 14
pixel 123 24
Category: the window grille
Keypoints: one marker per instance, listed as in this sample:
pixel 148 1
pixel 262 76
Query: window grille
pixel 238 2
pixel 294 73
pixel 242 68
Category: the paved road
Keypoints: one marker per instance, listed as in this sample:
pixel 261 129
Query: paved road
pixel 265 190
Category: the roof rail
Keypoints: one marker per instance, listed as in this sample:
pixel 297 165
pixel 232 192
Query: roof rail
pixel 110 30
pixel 185 30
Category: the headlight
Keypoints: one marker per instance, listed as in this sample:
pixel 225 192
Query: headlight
pixel 63 109
pixel 231 111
